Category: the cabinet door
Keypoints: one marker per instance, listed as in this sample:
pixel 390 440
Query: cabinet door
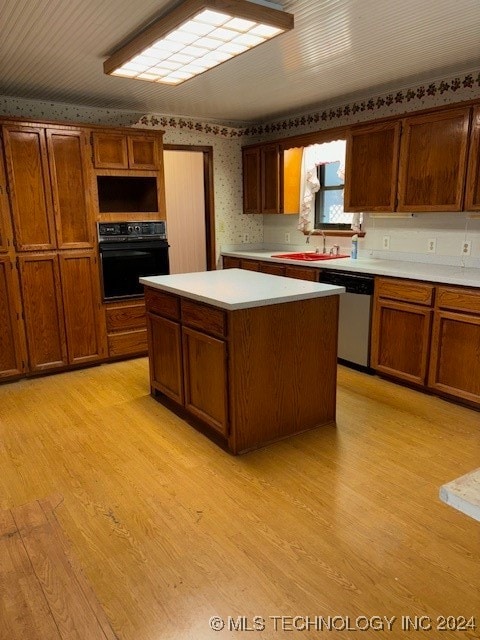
pixel 71 188
pixel 251 180
pixel 110 151
pixel 205 375
pixel 30 193
pixel 43 310
pixel 6 234
pixel 142 152
pixel 400 340
pixel 433 159
pixel 272 268
pixel 165 356
pixel 371 167
pixel 472 194
pixel 455 361
pixel 302 273
pixel 84 325
pixel 231 263
pixel 10 346
pixel 271 179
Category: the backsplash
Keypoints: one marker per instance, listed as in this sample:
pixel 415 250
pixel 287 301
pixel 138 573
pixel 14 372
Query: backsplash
pixel 408 237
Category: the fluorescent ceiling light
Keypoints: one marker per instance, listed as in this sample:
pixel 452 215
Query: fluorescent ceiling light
pixel 194 37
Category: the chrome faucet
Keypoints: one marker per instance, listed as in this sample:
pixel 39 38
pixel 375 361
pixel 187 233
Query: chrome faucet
pixel 324 244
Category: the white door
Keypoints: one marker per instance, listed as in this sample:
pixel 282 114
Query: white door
pixel 185 198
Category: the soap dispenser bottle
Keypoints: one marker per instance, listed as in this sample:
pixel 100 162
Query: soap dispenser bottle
pixel 354 252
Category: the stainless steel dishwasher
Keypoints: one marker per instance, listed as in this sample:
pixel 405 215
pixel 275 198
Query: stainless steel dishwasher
pixel 354 318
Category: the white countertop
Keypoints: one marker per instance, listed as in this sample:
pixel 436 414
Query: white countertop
pixel 465 276
pixel 464 494
pixel 239 289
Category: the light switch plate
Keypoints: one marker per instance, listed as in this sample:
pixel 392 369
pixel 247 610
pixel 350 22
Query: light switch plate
pixel 432 245
pixel 287 238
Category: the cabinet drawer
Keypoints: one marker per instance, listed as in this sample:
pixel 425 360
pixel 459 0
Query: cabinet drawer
pixel 250 265
pixel 272 268
pixel 203 317
pixel 459 299
pixel 163 304
pixel 127 343
pixel 302 273
pixel 405 290
pixel 122 318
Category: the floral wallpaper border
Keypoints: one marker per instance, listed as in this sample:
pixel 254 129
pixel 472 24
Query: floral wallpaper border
pixel 460 88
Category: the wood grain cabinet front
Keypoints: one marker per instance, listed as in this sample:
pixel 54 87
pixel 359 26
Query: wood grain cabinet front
pixel 126 328
pixel 472 192
pixel 50 187
pixel 61 302
pixel 371 167
pixel 433 161
pixel 125 151
pixel 165 356
pixel 455 360
pixel 401 327
pixel 11 337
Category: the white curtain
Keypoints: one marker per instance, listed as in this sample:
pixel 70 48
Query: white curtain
pixel 313 156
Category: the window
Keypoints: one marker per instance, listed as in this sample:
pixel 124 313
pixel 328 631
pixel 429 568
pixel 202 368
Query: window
pixel 329 213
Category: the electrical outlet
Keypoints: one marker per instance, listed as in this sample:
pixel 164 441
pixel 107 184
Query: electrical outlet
pixel 287 238
pixel 466 247
pixel 386 243
pixel 245 237
pixel 432 245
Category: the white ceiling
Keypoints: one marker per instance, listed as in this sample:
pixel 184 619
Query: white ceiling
pixel 54 50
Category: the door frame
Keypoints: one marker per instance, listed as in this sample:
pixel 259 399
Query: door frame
pixel 209 197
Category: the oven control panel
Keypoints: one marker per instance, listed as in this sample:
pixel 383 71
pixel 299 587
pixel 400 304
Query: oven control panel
pixel 135 230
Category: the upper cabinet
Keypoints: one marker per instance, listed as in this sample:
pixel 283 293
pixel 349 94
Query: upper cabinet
pixel 472 193
pixel 125 151
pixel 433 160
pixel 271 179
pixel 49 181
pixel 371 167
pixel 5 220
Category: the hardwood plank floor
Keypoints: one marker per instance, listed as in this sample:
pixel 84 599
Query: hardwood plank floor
pixel 171 530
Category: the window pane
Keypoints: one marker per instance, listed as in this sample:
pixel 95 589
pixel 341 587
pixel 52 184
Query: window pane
pixel 331 177
pixel 333 208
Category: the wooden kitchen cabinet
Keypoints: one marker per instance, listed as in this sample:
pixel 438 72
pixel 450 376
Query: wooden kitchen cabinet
pixel 371 167
pixel 206 394
pixel 302 273
pixel 288 270
pixel 433 160
pixel 272 268
pixel 71 188
pixel 165 356
pixel 231 263
pixel 29 184
pixel 126 328
pixel 271 172
pixel 43 311
pixel 271 179
pixel 455 354
pixel 251 180
pixel 125 151
pixel 50 192
pixel 401 328
pixel 11 339
pixel 84 326
pixel 472 191
pixel 242 378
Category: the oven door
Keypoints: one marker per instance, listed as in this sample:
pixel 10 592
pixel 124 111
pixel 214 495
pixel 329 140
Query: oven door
pixel 123 263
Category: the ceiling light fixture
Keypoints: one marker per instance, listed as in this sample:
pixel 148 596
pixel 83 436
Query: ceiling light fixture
pixel 196 36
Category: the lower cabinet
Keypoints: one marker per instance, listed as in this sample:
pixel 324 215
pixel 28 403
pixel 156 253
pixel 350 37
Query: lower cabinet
pixel 61 302
pixel 126 328
pixel 455 361
pixel 165 351
pixel 429 336
pixel 11 340
pixel 273 268
pixel 206 396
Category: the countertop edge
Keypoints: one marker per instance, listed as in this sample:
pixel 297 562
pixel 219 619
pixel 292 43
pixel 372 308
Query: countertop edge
pixel 463 494
pixel 461 276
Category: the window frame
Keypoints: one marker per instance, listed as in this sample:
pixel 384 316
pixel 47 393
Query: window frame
pixel 320 200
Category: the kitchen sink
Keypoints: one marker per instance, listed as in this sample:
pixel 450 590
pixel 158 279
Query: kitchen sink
pixel 310 256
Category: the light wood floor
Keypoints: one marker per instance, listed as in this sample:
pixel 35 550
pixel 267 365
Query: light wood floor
pixel 170 530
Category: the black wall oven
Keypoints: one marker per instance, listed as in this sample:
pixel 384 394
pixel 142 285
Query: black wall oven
pixel 128 251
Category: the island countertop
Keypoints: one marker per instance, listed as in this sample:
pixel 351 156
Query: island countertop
pixel 233 289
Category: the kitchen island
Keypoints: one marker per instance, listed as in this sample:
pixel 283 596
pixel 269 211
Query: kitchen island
pixel 247 357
